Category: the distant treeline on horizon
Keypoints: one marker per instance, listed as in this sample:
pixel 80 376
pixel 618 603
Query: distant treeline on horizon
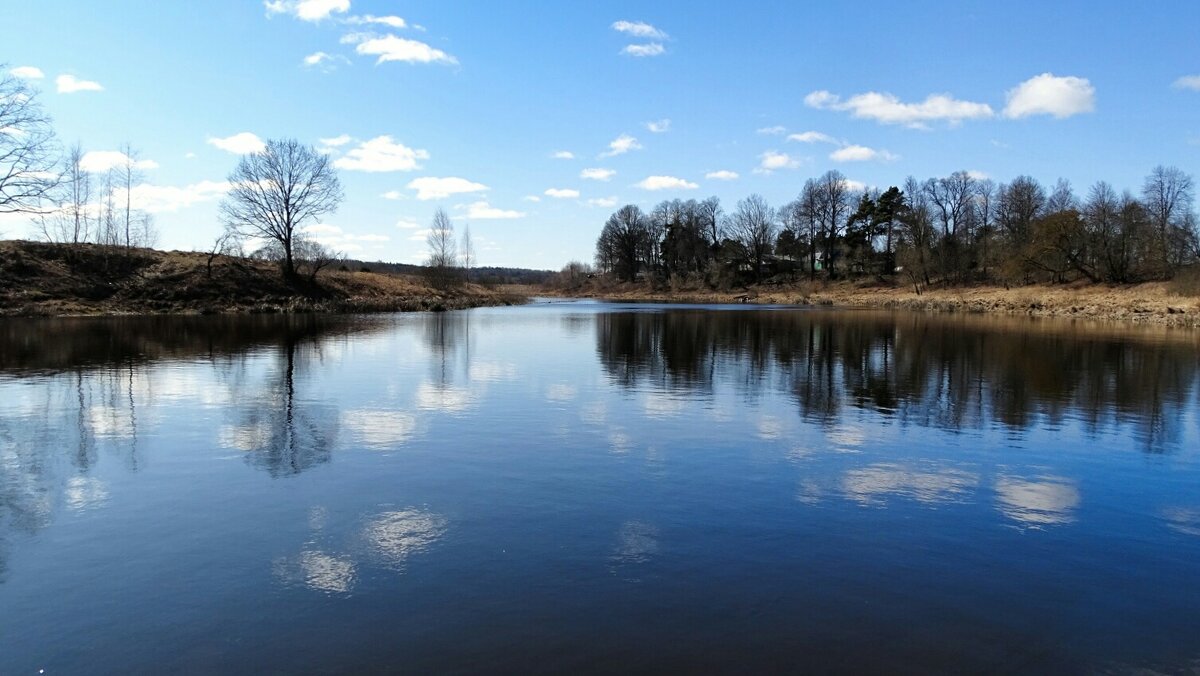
pixel 957 229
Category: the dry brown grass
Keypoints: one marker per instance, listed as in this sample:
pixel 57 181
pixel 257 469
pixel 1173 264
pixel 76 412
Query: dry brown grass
pixel 45 279
pixel 1155 302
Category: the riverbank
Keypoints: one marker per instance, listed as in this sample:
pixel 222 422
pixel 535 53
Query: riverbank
pixel 1153 302
pixel 38 279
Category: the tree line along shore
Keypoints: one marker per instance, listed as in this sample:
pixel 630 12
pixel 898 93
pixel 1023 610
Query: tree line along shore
pixel 957 243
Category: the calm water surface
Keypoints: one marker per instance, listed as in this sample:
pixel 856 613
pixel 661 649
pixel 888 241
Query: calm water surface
pixel 591 487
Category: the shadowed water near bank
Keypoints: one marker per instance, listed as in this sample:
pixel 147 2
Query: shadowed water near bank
pixel 585 486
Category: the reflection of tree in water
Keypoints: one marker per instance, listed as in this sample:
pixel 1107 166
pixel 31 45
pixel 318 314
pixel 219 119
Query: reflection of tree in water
pixel 74 392
pixel 946 372
pixel 281 432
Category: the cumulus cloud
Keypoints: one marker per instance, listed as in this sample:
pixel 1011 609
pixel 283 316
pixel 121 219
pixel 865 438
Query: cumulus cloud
pixel 336 238
pixel 324 60
pixel 812 137
pixel 27 73
pixel 638 29
pixel 390 21
pixel 562 193
pixel 856 153
pixel 165 198
pixel 243 143
pixel 1186 82
pixel 563 155
pixel 649 49
pixel 103 160
pixel 381 154
pixel 1048 94
pixel 434 188
pixel 888 109
pixel 773 160
pixel 307 10
pixel 407 224
pixel 532 198
pixel 659 126
pixel 483 211
pixel 666 183
pixel 392 48
pixel 978 175
pixel 621 145
pixel 606 202
pixel 597 174
pixel 336 141
pixel 69 84
pixel 722 175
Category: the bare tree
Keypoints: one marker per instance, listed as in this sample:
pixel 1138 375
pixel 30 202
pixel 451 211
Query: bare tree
pixel 277 190
pixel 315 256
pixel 128 175
pixel 28 150
pixel 754 227
pixel 69 219
pixel 1167 195
pixel 443 252
pixel 467 252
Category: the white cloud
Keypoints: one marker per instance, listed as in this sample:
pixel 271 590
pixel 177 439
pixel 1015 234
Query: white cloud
pixel 324 60
pixel 722 175
pixel 621 145
pixel 243 143
pixel 638 29
pixel 887 109
pixel 1048 94
pixel 103 160
pixel 307 10
pixel 666 183
pixel 563 155
pixel 771 131
pixel 812 137
pixel 597 174
pixel 336 238
pixel 773 160
pixel 532 198
pixel 407 224
pixel 606 202
pixel 978 175
pixel 393 195
pixel 856 153
pixel 381 154
pixel 562 193
pixel 1186 82
pixel 336 141
pixel 392 48
pixel 433 188
pixel 69 84
pixel 853 185
pixel 483 211
pixel 27 73
pixel 390 21
pixel 164 198
pixel 650 49
pixel 659 126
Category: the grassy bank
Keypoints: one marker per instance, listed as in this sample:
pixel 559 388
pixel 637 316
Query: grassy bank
pixel 38 279
pixel 1157 302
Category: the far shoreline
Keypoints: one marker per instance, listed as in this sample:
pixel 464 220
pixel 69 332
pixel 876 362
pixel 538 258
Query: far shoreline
pixel 1147 303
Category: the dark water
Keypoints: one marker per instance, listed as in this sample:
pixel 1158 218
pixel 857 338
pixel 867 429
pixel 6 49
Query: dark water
pixel 587 487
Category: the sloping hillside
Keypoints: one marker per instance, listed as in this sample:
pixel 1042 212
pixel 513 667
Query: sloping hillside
pixel 48 279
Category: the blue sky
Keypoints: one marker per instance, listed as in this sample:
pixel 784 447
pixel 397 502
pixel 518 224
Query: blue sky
pixel 464 105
